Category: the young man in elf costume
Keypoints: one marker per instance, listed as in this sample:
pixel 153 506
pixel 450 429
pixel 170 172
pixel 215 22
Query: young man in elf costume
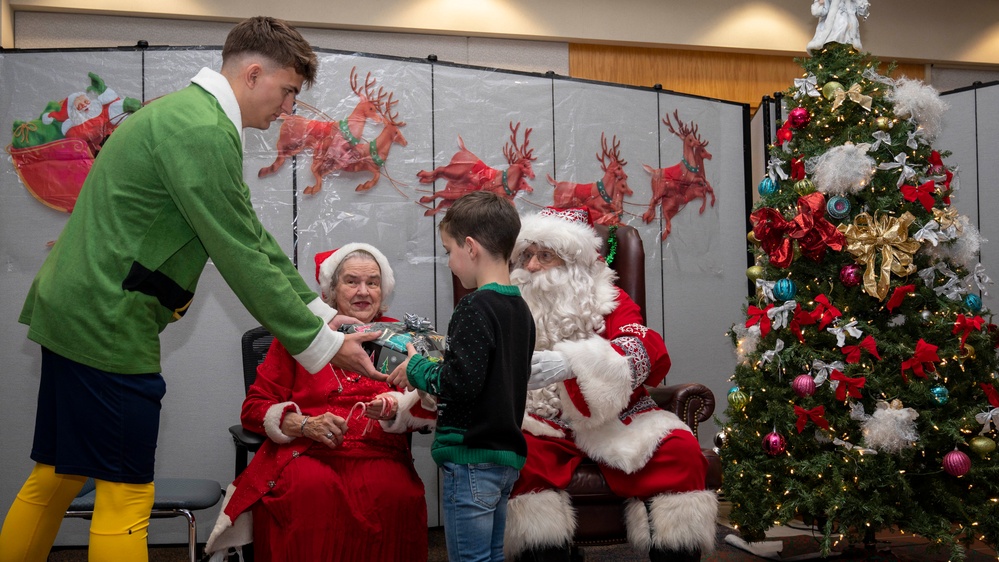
pixel 165 194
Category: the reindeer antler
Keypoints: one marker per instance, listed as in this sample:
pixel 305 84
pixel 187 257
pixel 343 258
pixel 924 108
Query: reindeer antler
pixel 386 110
pixel 684 128
pixel 614 155
pixel 514 153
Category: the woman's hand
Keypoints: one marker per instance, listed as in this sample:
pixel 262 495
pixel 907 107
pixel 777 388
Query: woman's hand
pixel 326 428
pixel 383 407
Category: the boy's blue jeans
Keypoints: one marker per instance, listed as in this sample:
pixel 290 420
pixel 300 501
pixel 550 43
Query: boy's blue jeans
pixel 475 497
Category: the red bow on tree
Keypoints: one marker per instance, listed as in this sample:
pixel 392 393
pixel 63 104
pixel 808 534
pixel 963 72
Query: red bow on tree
pixel 824 312
pixel 965 325
pixel 923 194
pixel 759 315
pixel 810 228
pixel 990 393
pixel 925 353
pixel 897 295
pixel 801 318
pixel 853 351
pixel 816 414
pixel 847 385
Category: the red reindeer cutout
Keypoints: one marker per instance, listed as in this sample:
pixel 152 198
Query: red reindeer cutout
pixel 332 138
pixel 467 173
pixel 678 185
pixel 604 198
pixel 360 157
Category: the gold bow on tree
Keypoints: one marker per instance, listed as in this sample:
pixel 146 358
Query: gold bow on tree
pixel 946 217
pixel 855 95
pixel 888 234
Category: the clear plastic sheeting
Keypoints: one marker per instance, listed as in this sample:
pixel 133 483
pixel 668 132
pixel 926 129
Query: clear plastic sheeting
pixel 368 157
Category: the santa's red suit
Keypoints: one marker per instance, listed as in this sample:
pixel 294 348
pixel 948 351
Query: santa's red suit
pixel 603 412
pixel 90 126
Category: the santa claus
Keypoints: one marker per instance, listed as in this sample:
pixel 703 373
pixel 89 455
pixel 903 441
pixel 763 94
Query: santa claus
pixel 93 114
pixel 594 358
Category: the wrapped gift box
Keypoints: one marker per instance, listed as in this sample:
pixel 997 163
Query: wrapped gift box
pixel 389 350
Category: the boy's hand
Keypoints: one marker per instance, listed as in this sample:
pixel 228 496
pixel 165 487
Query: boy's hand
pixel 398 376
pixel 353 357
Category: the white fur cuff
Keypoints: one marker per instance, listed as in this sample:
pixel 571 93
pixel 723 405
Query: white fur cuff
pixel 538 519
pixel 272 422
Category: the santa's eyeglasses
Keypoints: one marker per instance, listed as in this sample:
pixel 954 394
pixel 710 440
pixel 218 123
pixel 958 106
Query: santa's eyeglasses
pixel 545 257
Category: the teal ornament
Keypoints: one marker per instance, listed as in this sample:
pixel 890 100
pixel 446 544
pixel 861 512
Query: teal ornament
pixel 733 389
pixel 973 302
pixel 940 394
pixel 838 207
pixel 784 290
pixel 767 186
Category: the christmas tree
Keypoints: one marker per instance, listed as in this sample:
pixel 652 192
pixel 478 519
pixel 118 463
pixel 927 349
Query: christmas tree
pixel 865 397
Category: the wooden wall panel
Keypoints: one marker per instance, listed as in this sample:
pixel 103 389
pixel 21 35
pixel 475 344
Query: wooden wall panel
pixel 736 77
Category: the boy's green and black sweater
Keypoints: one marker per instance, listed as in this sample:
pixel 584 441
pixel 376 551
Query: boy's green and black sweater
pixel 481 383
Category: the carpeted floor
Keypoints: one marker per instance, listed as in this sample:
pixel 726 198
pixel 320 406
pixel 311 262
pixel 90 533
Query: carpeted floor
pixel 793 547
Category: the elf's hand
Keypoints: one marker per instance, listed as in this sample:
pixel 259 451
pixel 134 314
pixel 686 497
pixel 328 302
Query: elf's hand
pixel 548 367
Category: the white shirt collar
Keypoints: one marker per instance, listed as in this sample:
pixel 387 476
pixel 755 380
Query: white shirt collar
pixel 218 86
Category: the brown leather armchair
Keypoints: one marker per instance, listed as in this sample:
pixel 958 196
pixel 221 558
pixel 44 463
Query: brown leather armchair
pixel 600 513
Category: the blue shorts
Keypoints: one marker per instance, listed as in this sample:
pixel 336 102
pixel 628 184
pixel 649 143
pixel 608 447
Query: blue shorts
pixel 98 424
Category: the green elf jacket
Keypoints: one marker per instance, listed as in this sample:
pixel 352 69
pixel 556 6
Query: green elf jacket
pixel 165 194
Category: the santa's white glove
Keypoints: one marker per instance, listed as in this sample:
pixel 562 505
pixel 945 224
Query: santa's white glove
pixel 548 367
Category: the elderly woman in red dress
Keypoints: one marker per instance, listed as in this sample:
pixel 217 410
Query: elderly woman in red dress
pixel 327 484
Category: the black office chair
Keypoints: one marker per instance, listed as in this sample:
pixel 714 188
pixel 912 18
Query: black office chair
pixel 254 344
pixel 175 497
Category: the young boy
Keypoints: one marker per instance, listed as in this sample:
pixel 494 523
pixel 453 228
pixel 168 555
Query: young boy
pixel 481 383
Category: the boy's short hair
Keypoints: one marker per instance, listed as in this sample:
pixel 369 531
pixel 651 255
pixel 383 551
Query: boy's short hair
pixel 488 218
pixel 274 39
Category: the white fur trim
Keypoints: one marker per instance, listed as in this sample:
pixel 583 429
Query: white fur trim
pixel 573 242
pixel 538 519
pixel 628 447
pixel 324 346
pixel 322 310
pixel 228 534
pixel 404 421
pixel 604 378
pixel 329 265
pixel 539 428
pixel 272 422
pixel 678 522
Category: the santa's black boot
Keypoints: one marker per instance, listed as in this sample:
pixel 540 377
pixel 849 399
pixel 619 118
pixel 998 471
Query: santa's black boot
pixel 545 554
pixel 663 555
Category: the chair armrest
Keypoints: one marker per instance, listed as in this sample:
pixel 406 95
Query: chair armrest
pixel 692 402
pixel 243 438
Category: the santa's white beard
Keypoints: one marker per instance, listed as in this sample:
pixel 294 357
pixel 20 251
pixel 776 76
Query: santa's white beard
pixel 78 117
pixel 562 302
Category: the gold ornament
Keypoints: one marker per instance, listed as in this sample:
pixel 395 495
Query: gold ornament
pixel 830 88
pixel 967 352
pixel 982 445
pixel 883 123
pixel 751 236
pixel 888 234
pixel 804 186
pixel 754 272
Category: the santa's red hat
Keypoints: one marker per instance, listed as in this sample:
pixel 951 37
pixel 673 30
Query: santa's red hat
pixel 568 232
pixel 327 262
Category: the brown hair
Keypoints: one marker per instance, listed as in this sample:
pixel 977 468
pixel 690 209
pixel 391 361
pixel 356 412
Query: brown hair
pixel 488 218
pixel 275 40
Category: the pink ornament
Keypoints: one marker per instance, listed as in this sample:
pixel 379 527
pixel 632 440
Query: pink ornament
pixel 799 117
pixel 956 463
pixel 774 444
pixel 851 275
pixel 803 385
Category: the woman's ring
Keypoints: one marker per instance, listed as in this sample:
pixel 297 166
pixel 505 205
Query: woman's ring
pixel 329 436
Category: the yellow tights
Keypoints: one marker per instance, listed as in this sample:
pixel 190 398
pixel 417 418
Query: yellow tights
pixel 118 530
